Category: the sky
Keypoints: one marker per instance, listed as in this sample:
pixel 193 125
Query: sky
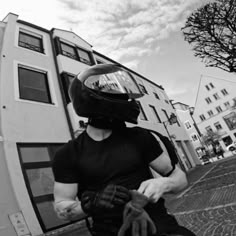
pixel 143 35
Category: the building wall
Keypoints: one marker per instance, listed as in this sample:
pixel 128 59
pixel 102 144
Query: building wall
pixel 202 108
pixel 188 124
pixel 24 121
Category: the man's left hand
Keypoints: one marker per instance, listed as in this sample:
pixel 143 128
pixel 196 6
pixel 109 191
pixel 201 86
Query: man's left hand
pixel 153 188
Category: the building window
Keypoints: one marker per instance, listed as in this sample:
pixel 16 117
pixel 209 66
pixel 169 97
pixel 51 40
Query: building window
pixel 209 129
pixel 216 96
pixel 210 113
pixel 30 42
pixel 187 125
pixel 156 95
pixel 36 162
pixel 154 111
pixel 33 85
pixel 207 87
pixel 99 61
pixel 227 105
pixel 219 109
pixel 208 100
pixel 84 56
pixel 166 114
pixel 194 137
pixel 142 115
pixel 212 86
pixel 68 50
pixel 143 89
pixel 76 53
pixel 66 81
pixel 218 125
pixel 227 140
pixel 224 92
pixel 230 120
pixel 202 117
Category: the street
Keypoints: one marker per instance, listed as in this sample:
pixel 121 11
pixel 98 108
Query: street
pixel 208 205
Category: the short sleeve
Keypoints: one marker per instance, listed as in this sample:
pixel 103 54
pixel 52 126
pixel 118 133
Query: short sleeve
pixel 63 166
pixel 150 146
pixel 170 149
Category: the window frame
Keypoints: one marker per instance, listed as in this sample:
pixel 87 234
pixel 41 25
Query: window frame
pixel 156 95
pixel 216 96
pixel 227 105
pixel 194 135
pixel 143 88
pixel 202 117
pixel 210 113
pixel 31 47
pixel 187 124
pixel 37 165
pixel 142 113
pixel 224 92
pixel 153 108
pixel 209 129
pixel 208 100
pixel 65 78
pixel 76 55
pixel 217 124
pixel 46 83
pixel 212 86
pixel 219 109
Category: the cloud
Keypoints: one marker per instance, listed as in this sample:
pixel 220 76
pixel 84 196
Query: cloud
pixel 124 29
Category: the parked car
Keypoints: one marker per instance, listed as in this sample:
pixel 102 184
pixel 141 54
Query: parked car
pixel 205 159
pixel 232 147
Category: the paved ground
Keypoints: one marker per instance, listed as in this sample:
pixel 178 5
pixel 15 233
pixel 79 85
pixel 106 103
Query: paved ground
pixel 208 206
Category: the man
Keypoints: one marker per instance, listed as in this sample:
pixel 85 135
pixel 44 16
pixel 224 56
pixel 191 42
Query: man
pixel 108 166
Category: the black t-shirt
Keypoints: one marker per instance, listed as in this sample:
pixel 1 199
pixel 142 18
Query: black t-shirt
pixel 123 159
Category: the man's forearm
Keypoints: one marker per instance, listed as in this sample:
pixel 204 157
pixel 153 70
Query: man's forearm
pixel 69 209
pixel 157 187
pixel 176 182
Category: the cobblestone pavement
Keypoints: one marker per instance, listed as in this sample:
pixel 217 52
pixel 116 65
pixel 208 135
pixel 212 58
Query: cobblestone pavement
pixel 208 206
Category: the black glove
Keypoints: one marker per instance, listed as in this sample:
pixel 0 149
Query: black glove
pixel 135 218
pixel 111 196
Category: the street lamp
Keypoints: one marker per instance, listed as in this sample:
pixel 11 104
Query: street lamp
pixel 171 120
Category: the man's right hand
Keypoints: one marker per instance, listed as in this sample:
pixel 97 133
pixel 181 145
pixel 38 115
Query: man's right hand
pixel 111 196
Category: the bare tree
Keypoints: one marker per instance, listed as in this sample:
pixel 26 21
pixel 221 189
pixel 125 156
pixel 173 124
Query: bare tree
pixel 211 30
pixel 211 138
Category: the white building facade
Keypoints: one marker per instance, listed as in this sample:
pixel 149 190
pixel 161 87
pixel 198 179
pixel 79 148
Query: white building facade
pixel 213 108
pixel 36 118
pixel 184 113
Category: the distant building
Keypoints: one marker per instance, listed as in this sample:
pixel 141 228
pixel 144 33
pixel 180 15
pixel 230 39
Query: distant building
pixel 214 108
pixel 36 118
pixel 184 113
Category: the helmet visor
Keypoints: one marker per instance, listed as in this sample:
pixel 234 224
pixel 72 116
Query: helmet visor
pixel 119 82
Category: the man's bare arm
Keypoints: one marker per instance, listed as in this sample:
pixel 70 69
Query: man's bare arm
pixel 66 203
pixel 175 182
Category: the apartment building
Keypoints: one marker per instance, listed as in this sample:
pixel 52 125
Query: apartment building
pixel 36 118
pixel 184 113
pixel 214 108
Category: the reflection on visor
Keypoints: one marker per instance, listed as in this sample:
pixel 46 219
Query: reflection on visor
pixel 119 82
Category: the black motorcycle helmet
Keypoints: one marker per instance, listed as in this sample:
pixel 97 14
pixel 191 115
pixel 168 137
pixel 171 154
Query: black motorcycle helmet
pixel 105 91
